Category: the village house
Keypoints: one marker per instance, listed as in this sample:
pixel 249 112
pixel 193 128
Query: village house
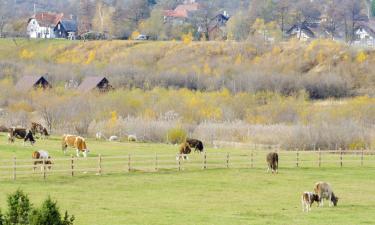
pixel 42 25
pixel 92 83
pixel 301 32
pixel 217 27
pixel 66 29
pixel 28 83
pixel 181 13
pixel 364 34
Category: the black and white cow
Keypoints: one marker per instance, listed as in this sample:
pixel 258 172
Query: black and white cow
pixel 307 199
pixel 20 133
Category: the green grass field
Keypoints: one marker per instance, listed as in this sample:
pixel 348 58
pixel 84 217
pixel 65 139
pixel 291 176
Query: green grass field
pixel 195 196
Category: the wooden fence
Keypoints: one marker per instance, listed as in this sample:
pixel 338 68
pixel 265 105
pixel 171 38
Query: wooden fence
pixel 72 166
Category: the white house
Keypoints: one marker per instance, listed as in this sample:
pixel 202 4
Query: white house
pixel 42 25
pixel 365 34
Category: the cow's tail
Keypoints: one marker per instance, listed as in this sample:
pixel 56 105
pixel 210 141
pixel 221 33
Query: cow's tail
pixel 63 143
pixel 277 160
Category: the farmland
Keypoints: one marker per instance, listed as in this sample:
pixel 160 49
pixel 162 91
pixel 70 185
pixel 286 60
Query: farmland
pixel 196 196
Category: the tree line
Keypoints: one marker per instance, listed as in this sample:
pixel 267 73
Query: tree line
pixel 121 18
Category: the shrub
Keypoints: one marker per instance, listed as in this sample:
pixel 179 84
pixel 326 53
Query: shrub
pixel 21 212
pixel 176 135
pixel 49 214
pixel 19 208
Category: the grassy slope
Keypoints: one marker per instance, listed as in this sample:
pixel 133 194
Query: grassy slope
pixel 217 196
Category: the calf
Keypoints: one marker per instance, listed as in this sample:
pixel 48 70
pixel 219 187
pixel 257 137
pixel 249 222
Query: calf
pixel 273 162
pixel 41 157
pixel 324 191
pixel 20 133
pixel 184 151
pixel 307 199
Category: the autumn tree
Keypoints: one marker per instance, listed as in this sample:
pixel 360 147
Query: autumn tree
pixel 86 10
pixel 102 20
pixel 154 26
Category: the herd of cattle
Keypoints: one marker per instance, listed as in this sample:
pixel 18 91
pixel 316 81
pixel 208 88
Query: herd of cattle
pixel 322 190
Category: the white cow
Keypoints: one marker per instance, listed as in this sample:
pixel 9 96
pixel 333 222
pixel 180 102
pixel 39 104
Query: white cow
pixel 113 138
pixel 324 191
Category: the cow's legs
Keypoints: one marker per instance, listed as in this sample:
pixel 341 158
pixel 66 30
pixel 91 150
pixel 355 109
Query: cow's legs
pixel 77 151
pixel 303 204
pixel 85 153
pixel 330 200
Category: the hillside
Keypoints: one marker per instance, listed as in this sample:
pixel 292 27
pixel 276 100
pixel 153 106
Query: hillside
pixel 322 68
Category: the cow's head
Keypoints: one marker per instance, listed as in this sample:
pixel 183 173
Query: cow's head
pixel 314 198
pixel 45 132
pixel 29 137
pixel 334 200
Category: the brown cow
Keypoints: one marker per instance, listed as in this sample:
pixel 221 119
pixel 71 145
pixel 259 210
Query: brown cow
pixel 76 142
pixel 273 162
pixel 324 191
pixel 184 151
pixel 38 128
pixel 41 157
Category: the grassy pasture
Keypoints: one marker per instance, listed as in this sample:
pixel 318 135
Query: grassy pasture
pixel 195 196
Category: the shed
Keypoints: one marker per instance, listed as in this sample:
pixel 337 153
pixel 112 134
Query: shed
pixel 98 83
pixel 27 83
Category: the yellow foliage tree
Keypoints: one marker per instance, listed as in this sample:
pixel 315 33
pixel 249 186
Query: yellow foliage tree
pixel 361 57
pixel 91 57
pixel 187 38
pixel 26 54
pixel 135 34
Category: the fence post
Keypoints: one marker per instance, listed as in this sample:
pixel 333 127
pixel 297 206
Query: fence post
pixel 156 161
pixel 227 159
pixel 320 158
pixel 341 157
pixel 129 163
pixel 100 164
pixel 362 157
pixel 205 161
pixel 252 159
pixel 14 168
pixel 72 165
pixel 44 168
pixel 297 157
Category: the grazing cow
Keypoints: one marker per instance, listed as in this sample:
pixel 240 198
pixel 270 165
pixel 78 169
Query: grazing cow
pixel 132 138
pixel 113 138
pixel 307 199
pixel 273 162
pixel 38 128
pixel 76 142
pixel 41 156
pixel 324 191
pixel 99 135
pixel 184 151
pixel 20 133
pixel 196 144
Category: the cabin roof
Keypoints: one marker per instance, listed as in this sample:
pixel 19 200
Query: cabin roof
pixel 90 83
pixel 26 83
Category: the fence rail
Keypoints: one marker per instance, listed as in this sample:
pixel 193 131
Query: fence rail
pixel 22 168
